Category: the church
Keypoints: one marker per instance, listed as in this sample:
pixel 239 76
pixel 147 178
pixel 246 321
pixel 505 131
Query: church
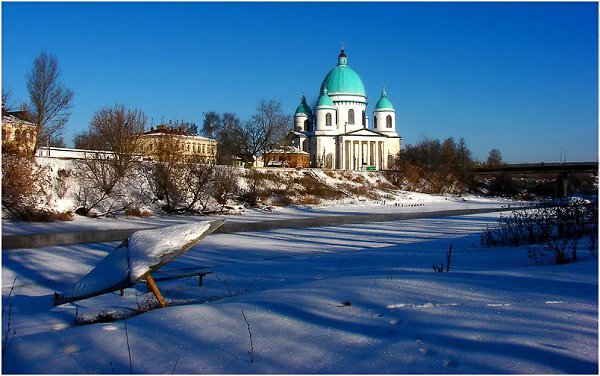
pixel 337 133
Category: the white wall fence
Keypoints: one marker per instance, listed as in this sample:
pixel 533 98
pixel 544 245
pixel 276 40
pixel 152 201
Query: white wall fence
pixel 66 153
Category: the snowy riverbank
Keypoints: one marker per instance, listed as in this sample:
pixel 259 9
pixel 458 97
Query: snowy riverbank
pixel 406 202
pixel 357 298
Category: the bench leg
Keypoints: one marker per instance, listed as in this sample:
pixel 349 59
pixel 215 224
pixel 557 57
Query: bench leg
pixel 154 287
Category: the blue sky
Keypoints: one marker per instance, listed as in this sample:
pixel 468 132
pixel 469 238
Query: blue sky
pixel 520 77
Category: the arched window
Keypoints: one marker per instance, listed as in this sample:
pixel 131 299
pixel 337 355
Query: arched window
pixel 375 122
pixel 388 121
pixel 328 119
pixel 306 125
pixel 364 119
pixel 350 116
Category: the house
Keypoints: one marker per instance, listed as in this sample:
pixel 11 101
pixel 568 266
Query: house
pixel 18 134
pixel 188 144
pixel 287 157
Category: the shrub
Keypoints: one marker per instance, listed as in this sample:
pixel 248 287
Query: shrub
pixel 137 212
pixel 24 187
pixel 557 227
pixel 62 182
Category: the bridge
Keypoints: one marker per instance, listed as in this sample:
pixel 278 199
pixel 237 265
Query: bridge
pixel 560 171
pixel 537 168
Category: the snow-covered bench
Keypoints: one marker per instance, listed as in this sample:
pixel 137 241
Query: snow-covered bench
pixel 140 257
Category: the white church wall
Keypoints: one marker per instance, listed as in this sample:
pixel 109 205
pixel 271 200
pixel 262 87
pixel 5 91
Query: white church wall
pixel 299 121
pixel 322 127
pixel 344 125
pixel 325 152
pixel 382 123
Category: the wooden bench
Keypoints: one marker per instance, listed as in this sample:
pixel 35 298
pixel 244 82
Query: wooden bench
pixel 171 274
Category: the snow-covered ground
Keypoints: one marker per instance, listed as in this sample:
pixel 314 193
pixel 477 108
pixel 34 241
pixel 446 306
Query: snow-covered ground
pixel 407 202
pixel 359 298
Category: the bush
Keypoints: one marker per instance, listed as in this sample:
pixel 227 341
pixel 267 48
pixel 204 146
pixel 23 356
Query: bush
pixel 432 166
pixel 102 191
pixel 558 227
pixel 63 182
pixel 137 212
pixel 24 190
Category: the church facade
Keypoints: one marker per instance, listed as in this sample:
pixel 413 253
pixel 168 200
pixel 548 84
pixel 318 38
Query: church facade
pixel 336 132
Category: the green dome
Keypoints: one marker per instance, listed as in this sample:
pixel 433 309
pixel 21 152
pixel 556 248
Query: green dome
pixel 303 108
pixel 343 80
pixel 324 100
pixel 384 103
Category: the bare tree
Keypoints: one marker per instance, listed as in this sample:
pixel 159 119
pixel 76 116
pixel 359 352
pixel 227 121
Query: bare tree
pixel 435 166
pixel 226 129
pixel 50 100
pixel 164 175
pixel 225 185
pixel 183 183
pixel 7 105
pixel 212 124
pixel 88 140
pixel 98 182
pixel 115 129
pixel 267 128
pixel 494 157
pixel 198 178
pixel 104 178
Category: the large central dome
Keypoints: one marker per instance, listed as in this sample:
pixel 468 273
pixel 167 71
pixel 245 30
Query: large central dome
pixel 343 80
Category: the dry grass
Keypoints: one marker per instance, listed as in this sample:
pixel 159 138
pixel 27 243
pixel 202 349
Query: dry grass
pixel 137 212
pixel 310 188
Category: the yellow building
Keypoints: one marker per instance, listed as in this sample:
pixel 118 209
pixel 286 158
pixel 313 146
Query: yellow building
pixel 189 145
pixel 18 134
pixel 288 157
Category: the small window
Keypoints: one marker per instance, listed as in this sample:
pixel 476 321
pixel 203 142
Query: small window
pixel 388 121
pixel 350 116
pixel 306 125
pixel 375 122
pixel 328 119
pixel 364 119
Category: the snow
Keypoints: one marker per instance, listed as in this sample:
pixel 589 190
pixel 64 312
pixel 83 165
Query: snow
pixel 405 202
pixel 143 251
pixel 111 273
pixel 148 247
pixel 359 298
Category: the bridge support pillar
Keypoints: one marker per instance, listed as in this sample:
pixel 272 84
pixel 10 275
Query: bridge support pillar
pixel 562 185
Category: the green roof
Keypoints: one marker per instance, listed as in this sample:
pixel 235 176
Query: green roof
pixel 384 103
pixel 303 108
pixel 324 100
pixel 343 80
